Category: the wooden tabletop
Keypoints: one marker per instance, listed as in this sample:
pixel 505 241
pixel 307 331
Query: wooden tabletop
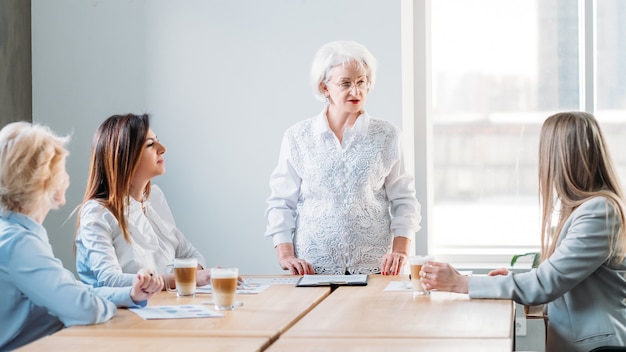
pixel 369 311
pixel 64 343
pixel 339 344
pixel 266 314
pixel 288 318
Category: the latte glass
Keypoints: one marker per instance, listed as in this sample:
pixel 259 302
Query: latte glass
pixel 416 262
pixel 224 287
pixel 184 270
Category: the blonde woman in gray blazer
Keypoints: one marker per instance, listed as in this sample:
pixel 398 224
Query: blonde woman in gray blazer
pixel 581 278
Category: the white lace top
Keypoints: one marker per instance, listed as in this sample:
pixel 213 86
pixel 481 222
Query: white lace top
pixel 341 204
pixel 104 258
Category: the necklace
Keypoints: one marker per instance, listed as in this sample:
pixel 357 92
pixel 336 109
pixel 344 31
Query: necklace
pixel 143 204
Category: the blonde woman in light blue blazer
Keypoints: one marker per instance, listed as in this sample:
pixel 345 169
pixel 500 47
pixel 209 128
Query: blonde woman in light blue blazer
pixel 581 278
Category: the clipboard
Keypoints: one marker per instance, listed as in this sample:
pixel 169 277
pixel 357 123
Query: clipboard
pixel 332 280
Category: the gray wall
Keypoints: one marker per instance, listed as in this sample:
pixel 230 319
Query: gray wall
pixel 222 79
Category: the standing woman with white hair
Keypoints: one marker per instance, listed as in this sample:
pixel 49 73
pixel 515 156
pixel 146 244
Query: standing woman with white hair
pixel 342 200
pixel 39 296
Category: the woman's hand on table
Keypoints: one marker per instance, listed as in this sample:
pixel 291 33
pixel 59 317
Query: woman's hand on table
pixel 203 277
pixel 288 260
pixel 392 263
pixel 147 284
pixel 500 271
pixel 443 277
pixel 296 266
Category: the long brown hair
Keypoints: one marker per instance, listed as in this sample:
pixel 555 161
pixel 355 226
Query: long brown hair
pixel 575 166
pixel 116 150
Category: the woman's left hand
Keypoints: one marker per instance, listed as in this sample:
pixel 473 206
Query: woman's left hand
pixel 392 263
pixel 147 284
pixel 443 277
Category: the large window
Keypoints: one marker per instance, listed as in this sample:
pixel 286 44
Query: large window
pixel 610 78
pixel 499 68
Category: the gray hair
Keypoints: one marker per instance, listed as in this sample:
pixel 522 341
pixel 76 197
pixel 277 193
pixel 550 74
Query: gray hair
pixel 339 53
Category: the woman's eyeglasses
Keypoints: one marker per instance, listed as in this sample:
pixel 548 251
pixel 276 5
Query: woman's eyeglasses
pixel 346 85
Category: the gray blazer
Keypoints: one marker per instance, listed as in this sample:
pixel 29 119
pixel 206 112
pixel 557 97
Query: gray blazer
pixel 585 297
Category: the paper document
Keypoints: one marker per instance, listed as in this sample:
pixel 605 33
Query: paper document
pixel 241 289
pixel 176 312
pixel 399 286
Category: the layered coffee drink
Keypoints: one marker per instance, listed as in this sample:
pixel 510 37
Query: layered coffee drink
pixel 185 280
pixel 224 286
pixel 416 263
pixel 184 270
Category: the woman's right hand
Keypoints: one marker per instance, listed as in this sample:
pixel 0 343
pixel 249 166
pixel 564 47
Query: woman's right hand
pixel 288 261
pixel 296 266
pixel 203 277
pixel 500 271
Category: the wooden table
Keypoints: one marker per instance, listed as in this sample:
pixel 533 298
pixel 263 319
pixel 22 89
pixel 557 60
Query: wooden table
pixel 288 318
pixel 266 314
pixel 345 344
pixel 371 312
pixel 89 343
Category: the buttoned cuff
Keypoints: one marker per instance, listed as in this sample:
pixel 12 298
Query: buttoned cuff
pixel 282 237
pixel 403 233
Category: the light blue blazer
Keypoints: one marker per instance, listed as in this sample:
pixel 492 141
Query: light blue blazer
pixel 584 296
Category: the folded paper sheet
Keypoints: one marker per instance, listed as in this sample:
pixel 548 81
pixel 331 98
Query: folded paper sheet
pixel 176 312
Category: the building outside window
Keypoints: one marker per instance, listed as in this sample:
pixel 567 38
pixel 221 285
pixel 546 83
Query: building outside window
pixel 499 68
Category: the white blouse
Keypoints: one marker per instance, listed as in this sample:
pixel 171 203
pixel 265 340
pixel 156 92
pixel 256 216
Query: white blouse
pixel 104 258
pixel 341 204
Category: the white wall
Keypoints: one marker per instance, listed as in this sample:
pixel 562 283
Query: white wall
pixel 88 59
pixel 222 80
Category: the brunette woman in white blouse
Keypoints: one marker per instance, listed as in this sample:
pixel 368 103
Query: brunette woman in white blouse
pixel 125 222
pixel 342 200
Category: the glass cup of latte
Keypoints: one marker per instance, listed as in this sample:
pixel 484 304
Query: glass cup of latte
pixel 224 287
pixel 184 270
pixel 416 262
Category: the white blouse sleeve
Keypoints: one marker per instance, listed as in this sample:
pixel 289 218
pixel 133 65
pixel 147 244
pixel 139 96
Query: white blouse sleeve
pixel 97 263
pixel 400 187
pixel 285 190
pixel 582 249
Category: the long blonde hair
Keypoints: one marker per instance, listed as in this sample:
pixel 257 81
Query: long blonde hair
pixel 575 166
